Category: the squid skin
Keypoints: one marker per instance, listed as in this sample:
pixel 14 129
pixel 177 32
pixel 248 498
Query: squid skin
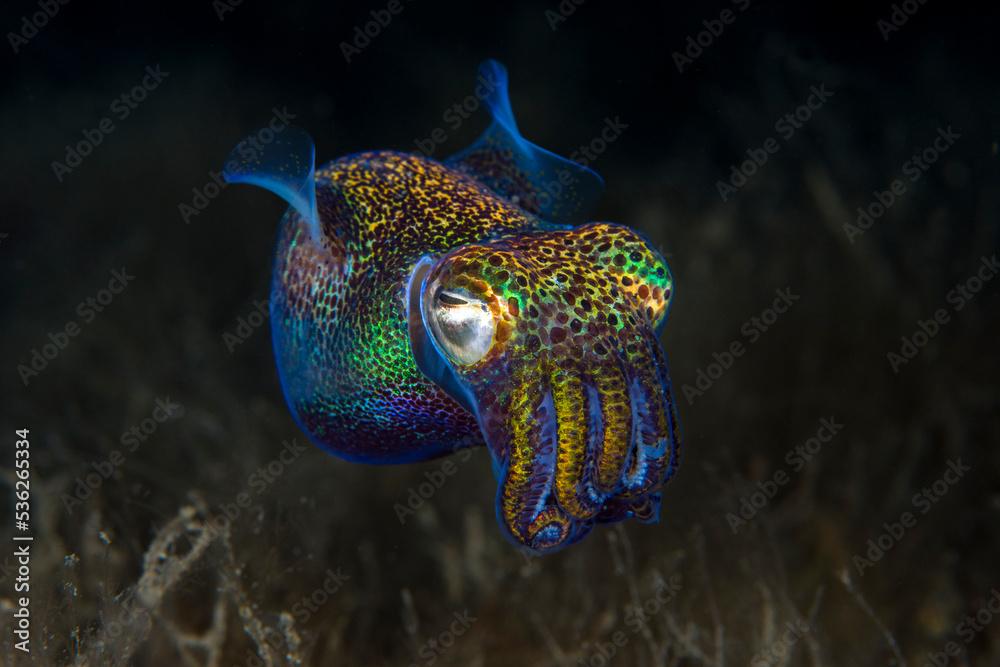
pixel 568 387
pixel 573 397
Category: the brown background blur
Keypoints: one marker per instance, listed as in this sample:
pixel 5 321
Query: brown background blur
pixel 102 594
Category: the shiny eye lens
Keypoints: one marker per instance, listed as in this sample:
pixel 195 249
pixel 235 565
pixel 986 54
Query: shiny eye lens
pixel 450 299
pixel 461 324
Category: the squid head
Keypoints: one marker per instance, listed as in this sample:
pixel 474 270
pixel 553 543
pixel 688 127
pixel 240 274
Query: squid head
pixel 552 342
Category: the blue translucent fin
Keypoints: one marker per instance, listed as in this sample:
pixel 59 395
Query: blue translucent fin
pixel 285 166
pixel 537 180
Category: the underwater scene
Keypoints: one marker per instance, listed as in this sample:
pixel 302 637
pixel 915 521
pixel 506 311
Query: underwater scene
pixel 554 333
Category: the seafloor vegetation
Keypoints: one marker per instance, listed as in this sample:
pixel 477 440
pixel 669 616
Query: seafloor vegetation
pixel 763 552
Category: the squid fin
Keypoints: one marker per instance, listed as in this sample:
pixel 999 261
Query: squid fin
pixel 539 181
pixel 286 166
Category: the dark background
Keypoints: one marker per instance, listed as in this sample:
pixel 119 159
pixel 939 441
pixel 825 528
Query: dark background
pixel 129 576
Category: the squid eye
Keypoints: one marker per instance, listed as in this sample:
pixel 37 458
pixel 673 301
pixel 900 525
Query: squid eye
pixel 462 324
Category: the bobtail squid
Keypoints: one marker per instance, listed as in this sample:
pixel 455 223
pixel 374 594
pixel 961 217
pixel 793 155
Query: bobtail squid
pixel 422 306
